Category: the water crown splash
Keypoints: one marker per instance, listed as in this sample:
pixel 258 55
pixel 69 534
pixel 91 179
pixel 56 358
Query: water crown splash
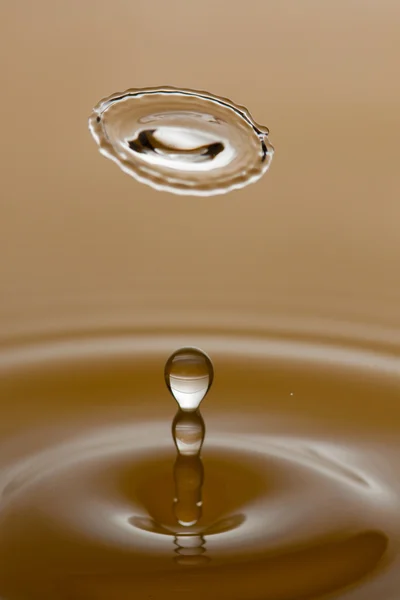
pixel 181 141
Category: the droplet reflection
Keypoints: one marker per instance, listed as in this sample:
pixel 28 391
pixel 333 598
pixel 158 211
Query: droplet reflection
pixel 188 431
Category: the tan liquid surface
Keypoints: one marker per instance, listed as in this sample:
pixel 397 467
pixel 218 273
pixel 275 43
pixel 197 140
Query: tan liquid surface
pixel 300 494
pixel 290 284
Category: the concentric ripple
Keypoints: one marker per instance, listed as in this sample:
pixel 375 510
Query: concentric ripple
pixel 181 141
pixel 300 497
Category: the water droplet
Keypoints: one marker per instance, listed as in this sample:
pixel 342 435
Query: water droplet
pixel 181 141
pixel 188 431
pixel 189 375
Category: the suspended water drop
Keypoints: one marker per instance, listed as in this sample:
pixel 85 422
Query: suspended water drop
pixel 189 375
pixel 181 141
pixel 188 431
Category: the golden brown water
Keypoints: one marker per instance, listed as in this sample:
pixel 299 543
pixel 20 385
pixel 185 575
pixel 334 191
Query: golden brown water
pixel 290 284
pixel 300 497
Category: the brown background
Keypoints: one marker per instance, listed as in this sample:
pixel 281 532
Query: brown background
pixel 82 243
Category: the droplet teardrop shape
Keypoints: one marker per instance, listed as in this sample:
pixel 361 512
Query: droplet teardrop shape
pixel 189 375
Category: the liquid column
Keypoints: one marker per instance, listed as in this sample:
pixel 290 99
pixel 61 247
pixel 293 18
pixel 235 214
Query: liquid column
pixel 189 375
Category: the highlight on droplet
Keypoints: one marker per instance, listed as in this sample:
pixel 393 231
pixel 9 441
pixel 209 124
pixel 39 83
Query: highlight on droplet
pixel 181 141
